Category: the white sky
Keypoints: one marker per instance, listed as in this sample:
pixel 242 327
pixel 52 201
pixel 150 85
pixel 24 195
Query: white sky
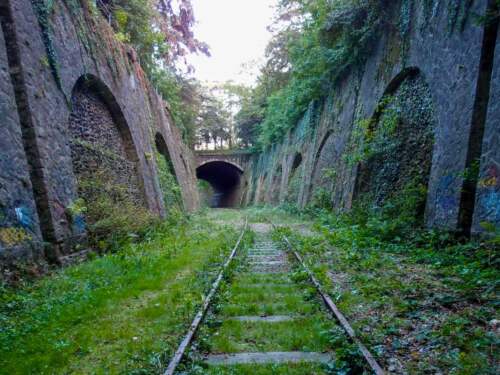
pixel 236 33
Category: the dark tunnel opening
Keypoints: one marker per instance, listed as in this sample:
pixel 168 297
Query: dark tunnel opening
pixel 225 179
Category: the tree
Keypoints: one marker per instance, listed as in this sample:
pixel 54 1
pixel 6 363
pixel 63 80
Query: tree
pixel 213 122
pixel 161 33
pixel 159 30
pixel 315 42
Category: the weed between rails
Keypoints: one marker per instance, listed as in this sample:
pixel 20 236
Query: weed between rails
pixel 252 294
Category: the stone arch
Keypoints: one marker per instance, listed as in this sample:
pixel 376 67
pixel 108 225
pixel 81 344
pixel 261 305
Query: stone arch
pixel 401 135
pixel 274 194
pixel 294 179
pixel 102 148
pixel 323 158
pixel 235 165
pixel 167 175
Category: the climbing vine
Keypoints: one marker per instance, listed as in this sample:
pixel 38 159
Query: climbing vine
pixel 168 183
pixel 317 42
pixel 43 10
pixel 397 144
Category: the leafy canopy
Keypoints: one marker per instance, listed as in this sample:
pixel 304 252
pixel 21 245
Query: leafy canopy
pixel 314 43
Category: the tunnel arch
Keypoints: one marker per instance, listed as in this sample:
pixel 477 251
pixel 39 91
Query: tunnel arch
pixel 225 179
pixel 104 157
pixel 235 165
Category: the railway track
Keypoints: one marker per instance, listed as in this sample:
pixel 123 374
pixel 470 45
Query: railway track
pixel 272 318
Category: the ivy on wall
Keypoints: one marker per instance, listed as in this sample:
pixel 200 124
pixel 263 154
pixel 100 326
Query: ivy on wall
pixel 168 182
pixel 398 143
pixel 43 10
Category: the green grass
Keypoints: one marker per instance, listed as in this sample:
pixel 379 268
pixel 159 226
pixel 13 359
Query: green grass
pixel 119 313
pixel 286 369
pixel 415 296
pixel 303 334
pixel 249 294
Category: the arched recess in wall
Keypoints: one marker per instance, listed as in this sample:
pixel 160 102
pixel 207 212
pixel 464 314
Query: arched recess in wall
pixel 105 161
pixel 294 179
pixel 323 173
pixel 169 182
pixel 261 195
pixel 225 179
pixel 276 184
pixel 399 144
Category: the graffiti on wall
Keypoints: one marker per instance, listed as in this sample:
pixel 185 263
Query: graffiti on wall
pixel 446 197
pixel 489 194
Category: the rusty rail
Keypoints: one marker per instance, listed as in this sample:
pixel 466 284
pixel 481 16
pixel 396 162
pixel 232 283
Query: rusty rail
pixel 375 367
pixel 176 359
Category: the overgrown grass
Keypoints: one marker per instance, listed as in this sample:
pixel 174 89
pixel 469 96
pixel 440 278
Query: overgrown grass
pixel 285 369
pixel 123 312
pixel 421 299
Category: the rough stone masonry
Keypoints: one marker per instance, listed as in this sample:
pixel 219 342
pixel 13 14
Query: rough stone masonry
pixel 441 77
pixel 73 97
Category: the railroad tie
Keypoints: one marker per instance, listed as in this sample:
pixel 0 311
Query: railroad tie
pixel 267 273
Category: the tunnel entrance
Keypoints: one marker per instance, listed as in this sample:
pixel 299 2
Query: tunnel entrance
pixel 225 180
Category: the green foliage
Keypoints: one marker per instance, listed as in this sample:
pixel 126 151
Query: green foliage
pixel 133 22
pixel 77 207
pixel 113 215
pixel 169 184
pixel 123 312
pixel 421 296
pixel 182 97
pixel 332 37
pixel 43 10
pixel 369 137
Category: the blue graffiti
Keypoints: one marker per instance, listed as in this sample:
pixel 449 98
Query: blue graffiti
pixel 79 224
pixel 24 217
pixel 490 202
pixel 446 200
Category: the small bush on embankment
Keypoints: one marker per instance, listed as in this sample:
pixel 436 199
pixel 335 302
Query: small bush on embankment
pixel 123 312
pixel 423 301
